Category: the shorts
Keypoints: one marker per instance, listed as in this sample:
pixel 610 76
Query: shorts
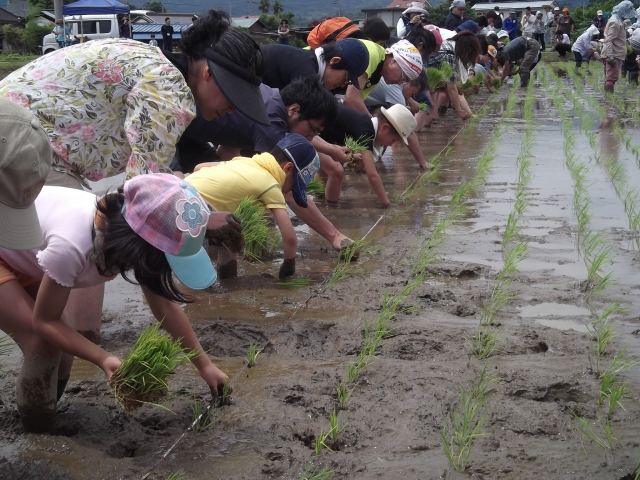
pixel 7 274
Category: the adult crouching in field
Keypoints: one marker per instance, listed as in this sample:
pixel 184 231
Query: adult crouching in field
pixel 524 52
pixel 119 106
pixel 614 48
pixel 583 48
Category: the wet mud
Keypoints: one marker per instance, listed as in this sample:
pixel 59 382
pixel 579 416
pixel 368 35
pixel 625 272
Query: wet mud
pixel 393 419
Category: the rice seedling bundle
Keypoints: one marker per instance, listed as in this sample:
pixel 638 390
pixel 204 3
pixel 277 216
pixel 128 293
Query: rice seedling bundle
pixel 437 77
pixel 142 376
pixel 355 146
pixel 316 187
pixel 259 239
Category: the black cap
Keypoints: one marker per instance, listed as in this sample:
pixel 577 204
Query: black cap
pixel 239 86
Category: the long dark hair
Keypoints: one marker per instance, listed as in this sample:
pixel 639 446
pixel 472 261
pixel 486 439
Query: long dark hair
pixel 421 35
pixel 467 47
pixel 214 31
pixel 125 250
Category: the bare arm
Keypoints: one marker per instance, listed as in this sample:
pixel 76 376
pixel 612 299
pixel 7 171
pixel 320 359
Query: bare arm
pixel 452 90
pixel 47 322
pixel 414 148
pixel 338 153
pixel 374 178
pixel 289 241
pixel 177 324
pixel 353 99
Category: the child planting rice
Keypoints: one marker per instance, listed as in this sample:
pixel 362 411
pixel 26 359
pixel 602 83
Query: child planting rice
pixel 387 127
pixel 266 177
pixel 155 226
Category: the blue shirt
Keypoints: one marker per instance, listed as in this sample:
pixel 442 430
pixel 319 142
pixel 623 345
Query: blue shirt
pixel 510 26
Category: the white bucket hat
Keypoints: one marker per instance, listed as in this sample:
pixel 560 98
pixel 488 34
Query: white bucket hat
pixel 415 7
pixel 458 4
pixel 402 120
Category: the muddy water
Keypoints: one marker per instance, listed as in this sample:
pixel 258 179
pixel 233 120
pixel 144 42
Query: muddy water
pixel 393 419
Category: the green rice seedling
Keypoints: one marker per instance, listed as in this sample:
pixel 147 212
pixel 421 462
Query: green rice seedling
pixel 484 343
pixel 479 391
pixel 496 82
pixel 603 336
pixel 226 392
pixel 336 429
pixel 605 441
pixel 323 474
pixel 252 355
pixel 359 145
pixel 259 239
pixel 618 365
pixel 321 442
pixel 205 422
pixel 142 375
pixel 466 427
pixel 353 370
pixel 316 187
pixel 599 259
pixel 614 308
pixel 438 77
pixel 615 394
pixel 607 380
pixel 344 393
pixel 295 282
pixel 176 476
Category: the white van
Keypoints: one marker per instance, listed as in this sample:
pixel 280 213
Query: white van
pixel 96 27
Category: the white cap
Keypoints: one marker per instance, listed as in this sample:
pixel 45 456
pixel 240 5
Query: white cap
pixel 402 120
pixel 599 12
pixel 457 3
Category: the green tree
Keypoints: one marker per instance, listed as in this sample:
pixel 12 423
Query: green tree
pixel 14 36
pixel 33 35
pixel 289 17
pixel 155 6
pixel 264 6
pixel 277 7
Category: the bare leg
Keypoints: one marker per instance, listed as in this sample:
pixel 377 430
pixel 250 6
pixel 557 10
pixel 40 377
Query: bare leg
pixel 37 380
pixel 416 151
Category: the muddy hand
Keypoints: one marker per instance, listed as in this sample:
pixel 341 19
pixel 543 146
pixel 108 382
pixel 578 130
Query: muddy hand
pixel 287 268
pixel 222 394
pixel 225 230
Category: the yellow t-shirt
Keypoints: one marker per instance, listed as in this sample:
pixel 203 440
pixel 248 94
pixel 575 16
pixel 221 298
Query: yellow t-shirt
pixel 226 185
pixel 377 55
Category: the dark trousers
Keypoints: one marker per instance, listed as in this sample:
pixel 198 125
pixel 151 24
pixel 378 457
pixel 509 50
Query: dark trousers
pixel 562 49
pixel 539 37
pixel 580 58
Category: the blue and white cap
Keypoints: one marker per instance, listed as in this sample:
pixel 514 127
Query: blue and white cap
pixel 306 162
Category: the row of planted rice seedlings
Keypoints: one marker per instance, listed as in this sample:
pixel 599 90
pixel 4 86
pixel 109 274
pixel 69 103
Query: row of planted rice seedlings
pixel 377 331
pixel 594 249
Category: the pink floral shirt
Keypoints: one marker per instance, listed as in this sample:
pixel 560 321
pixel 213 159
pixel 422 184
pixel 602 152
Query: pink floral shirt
pixel 108 106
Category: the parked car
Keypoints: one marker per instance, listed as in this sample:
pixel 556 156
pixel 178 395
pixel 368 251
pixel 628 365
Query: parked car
pixel 95 27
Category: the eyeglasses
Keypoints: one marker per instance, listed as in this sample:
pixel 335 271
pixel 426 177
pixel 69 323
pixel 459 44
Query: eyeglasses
pixel 315 130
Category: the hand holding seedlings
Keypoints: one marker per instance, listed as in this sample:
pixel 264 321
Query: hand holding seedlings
pixel 225 230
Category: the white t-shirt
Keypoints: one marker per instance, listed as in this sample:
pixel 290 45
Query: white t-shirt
pixel 565 39
pixel 66 219
pixel 527 22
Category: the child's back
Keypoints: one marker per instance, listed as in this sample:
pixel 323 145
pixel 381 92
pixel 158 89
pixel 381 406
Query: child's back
pixel 227 184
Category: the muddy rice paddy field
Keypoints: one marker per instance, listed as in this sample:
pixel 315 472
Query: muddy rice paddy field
pixel 503 292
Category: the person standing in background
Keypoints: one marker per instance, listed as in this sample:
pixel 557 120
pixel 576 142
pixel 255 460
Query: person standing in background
pixel 125 29
pixel 511 24
pixel 528 20
pixel 456 12
pixel 600 22
pixel 499 19
pixel 167 35
pixel 539 27
pixel 566 24
pixel 614 47
pixel 283 32
pixel 153 42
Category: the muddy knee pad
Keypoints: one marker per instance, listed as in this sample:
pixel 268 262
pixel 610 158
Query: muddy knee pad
pixel 36 393
pixel 608 86
pixel 524 79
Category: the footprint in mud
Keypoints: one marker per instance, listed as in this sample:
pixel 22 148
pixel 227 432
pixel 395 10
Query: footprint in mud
pixel 230 339
pixel 123 449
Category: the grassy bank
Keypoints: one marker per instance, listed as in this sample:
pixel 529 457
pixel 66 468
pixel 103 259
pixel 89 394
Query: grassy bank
pixel 11 62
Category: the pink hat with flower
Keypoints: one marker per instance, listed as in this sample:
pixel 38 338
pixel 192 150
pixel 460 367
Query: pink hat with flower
pixel 171 215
